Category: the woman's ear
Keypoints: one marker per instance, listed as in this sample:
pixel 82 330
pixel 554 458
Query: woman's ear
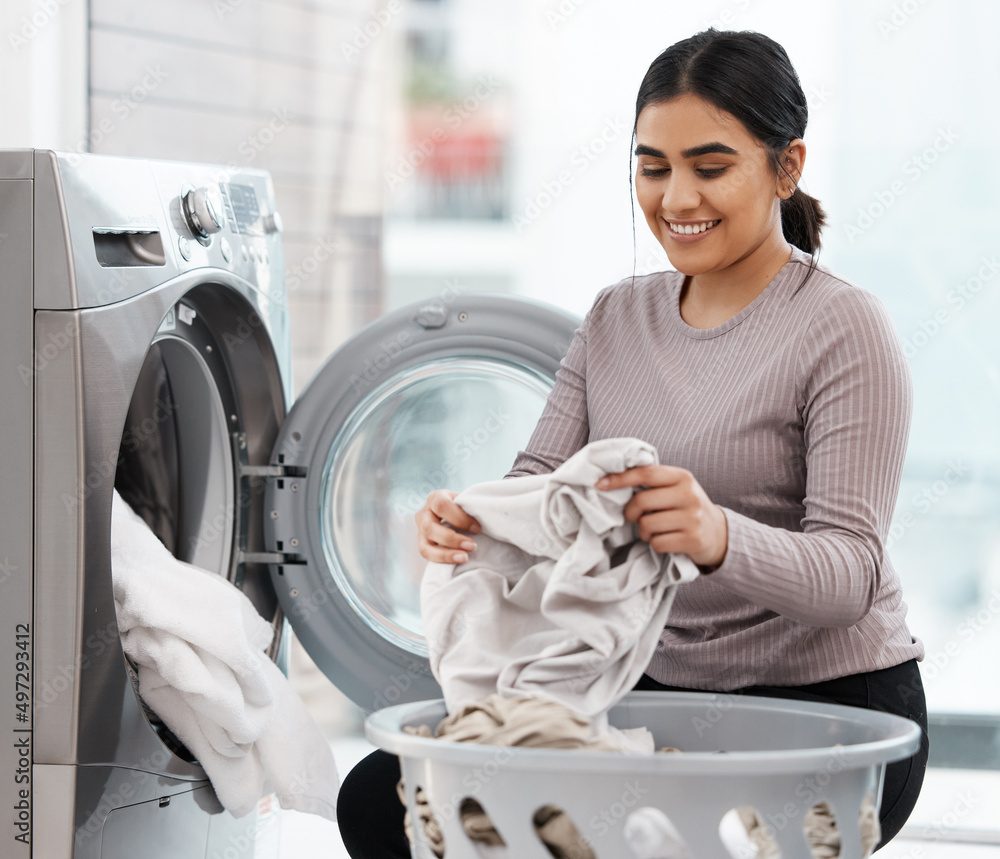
pixel 792 160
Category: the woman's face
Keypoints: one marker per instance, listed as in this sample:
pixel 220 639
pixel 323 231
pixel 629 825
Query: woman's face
pixel 706 186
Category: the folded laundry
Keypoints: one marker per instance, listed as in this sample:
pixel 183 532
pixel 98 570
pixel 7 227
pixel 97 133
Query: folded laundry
pixel 560 599
pixel 198 644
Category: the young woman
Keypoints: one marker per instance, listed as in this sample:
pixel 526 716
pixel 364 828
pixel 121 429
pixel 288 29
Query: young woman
pixel 777 396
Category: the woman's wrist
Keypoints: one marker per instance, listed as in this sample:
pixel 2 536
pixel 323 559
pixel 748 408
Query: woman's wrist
pixel 709 565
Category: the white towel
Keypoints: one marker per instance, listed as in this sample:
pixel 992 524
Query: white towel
pixel 199 646
pixel 539 609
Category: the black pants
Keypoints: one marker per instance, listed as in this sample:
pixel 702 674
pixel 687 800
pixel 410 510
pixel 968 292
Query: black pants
pixel 371 816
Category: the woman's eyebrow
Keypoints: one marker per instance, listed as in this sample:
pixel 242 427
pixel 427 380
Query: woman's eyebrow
pixel 642 149
pixel 693 152
pixel 708 149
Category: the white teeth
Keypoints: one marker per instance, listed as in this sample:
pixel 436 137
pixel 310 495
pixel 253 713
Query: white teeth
pixel 689 229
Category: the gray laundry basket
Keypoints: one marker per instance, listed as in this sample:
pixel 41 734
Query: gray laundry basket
pixel 779 756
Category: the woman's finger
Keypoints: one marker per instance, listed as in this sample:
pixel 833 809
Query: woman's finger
pixel 447 538
pixel 659 498
pixel 642 475
pixel 446 509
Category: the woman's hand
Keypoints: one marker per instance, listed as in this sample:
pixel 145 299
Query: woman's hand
pixel 673 514
pixel 438 541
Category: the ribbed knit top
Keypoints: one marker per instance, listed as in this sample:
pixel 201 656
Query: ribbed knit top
pixel 793 415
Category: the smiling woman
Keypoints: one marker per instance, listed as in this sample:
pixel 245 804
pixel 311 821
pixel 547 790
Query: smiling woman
pixel 778 399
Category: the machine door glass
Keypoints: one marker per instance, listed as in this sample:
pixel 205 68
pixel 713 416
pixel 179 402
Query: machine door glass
pixel 429 397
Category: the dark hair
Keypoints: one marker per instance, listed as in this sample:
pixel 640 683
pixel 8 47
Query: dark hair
pixel 750 76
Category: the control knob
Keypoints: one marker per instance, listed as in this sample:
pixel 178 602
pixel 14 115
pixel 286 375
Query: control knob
pixel 203 211
pixel 273 223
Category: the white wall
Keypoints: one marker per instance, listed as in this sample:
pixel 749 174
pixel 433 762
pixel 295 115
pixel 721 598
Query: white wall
pixel 43 73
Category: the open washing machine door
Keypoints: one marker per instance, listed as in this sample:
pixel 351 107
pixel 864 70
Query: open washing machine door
pixel 438 395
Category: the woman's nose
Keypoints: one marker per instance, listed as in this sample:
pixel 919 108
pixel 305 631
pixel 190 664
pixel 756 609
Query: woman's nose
pixel 680 194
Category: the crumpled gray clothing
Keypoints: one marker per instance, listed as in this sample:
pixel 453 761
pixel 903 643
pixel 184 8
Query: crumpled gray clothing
pixel 560 599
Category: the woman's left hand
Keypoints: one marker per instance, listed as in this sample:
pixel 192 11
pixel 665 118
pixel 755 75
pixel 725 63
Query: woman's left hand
pixel 673 513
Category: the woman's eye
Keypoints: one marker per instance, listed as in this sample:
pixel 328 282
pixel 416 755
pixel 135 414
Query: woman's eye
pixel 655 171
pixel 711 172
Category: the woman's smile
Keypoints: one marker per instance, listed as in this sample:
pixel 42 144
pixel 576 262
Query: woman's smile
pixel 690 231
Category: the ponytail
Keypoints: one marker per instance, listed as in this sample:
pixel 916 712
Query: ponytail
pixel 802 218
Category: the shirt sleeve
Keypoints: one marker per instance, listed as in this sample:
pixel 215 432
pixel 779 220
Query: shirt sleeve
pixel 854 395
pixel 563 427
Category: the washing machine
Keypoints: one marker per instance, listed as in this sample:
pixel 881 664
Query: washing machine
pixel 145 346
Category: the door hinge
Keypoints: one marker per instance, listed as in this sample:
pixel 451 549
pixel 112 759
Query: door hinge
pixel 251 544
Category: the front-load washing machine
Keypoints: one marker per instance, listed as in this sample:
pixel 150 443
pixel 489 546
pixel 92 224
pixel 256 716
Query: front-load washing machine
pixel 145 347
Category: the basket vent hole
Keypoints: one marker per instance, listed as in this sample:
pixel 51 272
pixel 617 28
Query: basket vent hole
pixel 428 821
pixel 478 826
pixel 868 823
pixel 746 835
pixel 820 827
pixel 651 835
pixel 559 834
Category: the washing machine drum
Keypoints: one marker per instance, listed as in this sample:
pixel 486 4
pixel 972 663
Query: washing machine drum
pixel 438 395
pixel 429 397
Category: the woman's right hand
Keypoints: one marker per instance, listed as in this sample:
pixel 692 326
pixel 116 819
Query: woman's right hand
pixel 440 542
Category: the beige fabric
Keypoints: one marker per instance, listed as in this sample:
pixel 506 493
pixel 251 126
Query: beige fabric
pixel 532 723
pixel 525 723
pixel 820 828
pixel 432 829
pixel 821 832
pixel 538 723
pixel 560 599
pixel 478 826
pixel 871 828
pixel 767 847
pixel 560 835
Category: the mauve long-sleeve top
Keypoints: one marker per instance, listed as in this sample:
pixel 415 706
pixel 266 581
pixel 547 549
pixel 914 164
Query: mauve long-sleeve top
pixel 793 415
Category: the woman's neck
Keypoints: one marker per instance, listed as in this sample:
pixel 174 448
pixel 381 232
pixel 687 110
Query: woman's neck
pixel 709 299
